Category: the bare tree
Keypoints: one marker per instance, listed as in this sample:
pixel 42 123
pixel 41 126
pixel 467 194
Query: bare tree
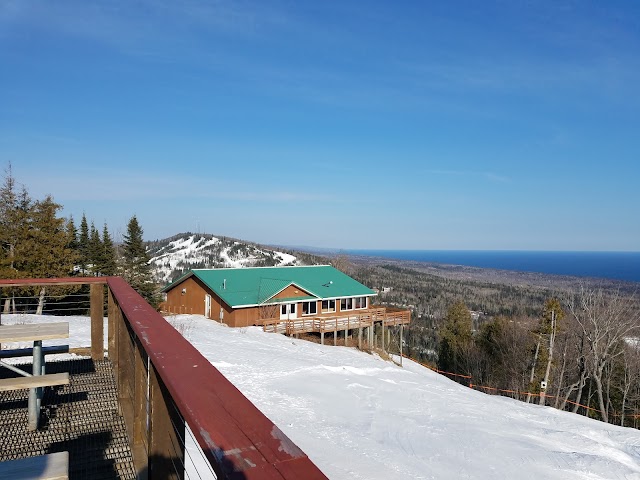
pixel 630 374
pixel 606 320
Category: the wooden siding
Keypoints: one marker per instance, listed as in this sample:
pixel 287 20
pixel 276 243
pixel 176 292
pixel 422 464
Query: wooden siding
pixel 191 301
pixel 291 292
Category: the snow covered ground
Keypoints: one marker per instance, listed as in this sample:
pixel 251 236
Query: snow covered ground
pixel 359 417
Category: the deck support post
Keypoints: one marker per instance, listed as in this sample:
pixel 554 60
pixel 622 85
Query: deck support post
pixel 335 338
pixel 401 344
pixel 346 336
pixel 322 337
pixel 140 434
pixel 382 337
pixel 360 338
pixel 96 293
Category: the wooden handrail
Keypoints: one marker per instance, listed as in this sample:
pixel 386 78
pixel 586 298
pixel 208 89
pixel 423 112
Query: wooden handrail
pixel 238 440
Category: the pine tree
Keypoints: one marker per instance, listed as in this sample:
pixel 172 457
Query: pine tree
pixel 455 338
pixel 72 235
pixel 49 255
pixel 83 244
pixel 109 265
pixel 136 263
pixel 15 211
pixel 94 252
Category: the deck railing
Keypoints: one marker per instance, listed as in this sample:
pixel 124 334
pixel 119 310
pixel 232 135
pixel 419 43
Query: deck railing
pixel 389 317
pixel 164 382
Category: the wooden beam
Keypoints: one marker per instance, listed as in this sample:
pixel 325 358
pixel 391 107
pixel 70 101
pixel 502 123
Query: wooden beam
pixel 54 466
pixel 34 331
pixel 23 383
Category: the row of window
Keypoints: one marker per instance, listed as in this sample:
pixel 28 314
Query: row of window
pixel 329 306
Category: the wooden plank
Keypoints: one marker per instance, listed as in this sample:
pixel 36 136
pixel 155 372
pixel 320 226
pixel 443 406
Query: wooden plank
pixel 21 383
pixel 54 466
pixel 34 331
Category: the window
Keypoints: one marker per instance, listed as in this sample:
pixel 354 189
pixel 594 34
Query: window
pixel 283 309
pixel 346 304
pixel 361 302
pixel 310 308
pixel 328 306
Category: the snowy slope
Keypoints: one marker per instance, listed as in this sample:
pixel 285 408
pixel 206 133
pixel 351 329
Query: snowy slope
pixel 359 417
pixel 174 256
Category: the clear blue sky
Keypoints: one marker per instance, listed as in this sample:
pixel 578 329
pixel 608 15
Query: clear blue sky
pixel 420 125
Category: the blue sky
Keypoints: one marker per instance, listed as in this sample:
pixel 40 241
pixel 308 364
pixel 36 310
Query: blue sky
pixel 417 125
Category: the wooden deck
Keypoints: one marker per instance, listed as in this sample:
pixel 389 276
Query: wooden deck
pixel 388 317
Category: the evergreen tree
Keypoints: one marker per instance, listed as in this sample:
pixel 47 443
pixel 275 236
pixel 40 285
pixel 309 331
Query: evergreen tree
pixel 94 252
pixel 15 211
pixel 108 263
pixel 136 266
pixel 455 338
pixel 47 244
pixel 83 244
pixel 72 235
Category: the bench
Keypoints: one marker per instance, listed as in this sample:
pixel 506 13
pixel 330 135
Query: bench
pixel 35 381
pixel 54 466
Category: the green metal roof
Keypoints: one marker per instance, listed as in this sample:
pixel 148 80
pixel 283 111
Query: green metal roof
pixel 239 287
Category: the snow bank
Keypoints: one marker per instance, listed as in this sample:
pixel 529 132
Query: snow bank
pixel 359 417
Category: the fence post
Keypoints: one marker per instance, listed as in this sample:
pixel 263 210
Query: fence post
pixel 97 324
pixel 140 408
pixel 113 312
pixel 166 434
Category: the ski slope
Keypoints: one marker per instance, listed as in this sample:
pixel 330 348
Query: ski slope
pixel 359 417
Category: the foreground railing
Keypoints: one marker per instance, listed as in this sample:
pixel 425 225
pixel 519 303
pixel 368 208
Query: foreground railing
pixel 164 383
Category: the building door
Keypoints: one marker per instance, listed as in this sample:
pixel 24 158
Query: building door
pixel 207 306
pixel 288 311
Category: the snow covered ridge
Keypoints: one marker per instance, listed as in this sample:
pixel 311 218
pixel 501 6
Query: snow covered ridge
pixel 174 256
pixel 359 417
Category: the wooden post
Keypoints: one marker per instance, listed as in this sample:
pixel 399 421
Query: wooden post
pixel 346 336
pixel 140 409
pixel 401 344
pixel 166 434
pixel 97 323
pixel 322 337
pixel 335 338
pixel 382 336
pixel 360 337
pixel 126 377
pixel 113 313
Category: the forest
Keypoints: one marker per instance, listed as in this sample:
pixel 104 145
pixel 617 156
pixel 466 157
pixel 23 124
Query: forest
pixel 37 242
pixel 570 345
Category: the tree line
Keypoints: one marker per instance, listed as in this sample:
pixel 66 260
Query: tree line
pixel 37 242
pixel 576 349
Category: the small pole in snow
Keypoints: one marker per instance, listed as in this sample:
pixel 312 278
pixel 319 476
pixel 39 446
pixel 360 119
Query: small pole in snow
pixel 400 344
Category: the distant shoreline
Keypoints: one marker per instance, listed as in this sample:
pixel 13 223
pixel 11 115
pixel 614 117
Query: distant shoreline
pixel 623 266
pixel 494 275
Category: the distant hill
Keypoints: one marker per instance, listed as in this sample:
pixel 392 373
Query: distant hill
pixel 174 256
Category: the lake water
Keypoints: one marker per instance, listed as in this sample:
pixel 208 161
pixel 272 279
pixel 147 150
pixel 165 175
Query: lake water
pixel 613 265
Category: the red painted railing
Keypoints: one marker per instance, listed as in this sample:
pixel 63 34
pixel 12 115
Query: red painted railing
pixel 163 382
